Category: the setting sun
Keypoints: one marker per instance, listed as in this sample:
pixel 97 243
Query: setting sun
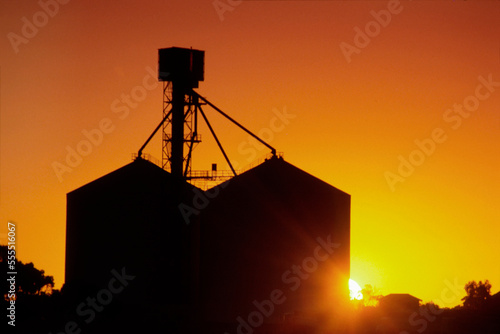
pixel 354 290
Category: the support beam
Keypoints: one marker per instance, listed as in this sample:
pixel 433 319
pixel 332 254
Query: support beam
pixel 218 142
pixel 139 154
pixel 273 150
pixel 177 156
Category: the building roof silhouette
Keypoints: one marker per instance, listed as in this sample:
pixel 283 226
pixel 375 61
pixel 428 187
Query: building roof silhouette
pixel 211 256
pixel 397 303
pixel 127 218
pixel 262 223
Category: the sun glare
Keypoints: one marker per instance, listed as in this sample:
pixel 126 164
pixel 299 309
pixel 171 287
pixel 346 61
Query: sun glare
pixel 354 290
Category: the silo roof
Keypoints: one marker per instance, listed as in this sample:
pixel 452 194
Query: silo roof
pixel 261 223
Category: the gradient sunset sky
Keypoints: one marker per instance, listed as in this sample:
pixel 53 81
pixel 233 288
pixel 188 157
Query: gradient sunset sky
pixel 356 118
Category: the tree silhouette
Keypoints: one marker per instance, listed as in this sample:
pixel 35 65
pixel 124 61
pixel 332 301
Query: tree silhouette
pixel 478 295
pixel 370 295
pixel 29 280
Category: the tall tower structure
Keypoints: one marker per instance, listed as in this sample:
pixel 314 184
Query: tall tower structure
pixel 181 70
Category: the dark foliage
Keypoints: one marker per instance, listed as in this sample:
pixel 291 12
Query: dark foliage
pixel 478 295
pixel 29 280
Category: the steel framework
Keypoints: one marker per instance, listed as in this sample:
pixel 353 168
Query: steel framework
pixel 191 138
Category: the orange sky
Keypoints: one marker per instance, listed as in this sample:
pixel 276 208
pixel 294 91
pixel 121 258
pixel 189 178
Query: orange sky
pixel 354 120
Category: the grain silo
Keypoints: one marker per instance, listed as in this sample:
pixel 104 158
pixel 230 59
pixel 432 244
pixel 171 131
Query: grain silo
pixel 265 251
pixel 128 222
pixel 274 231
